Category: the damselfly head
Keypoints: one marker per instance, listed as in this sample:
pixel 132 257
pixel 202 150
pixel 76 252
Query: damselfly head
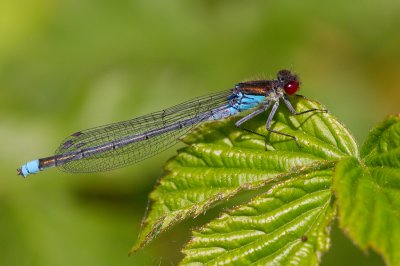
pixel 289 81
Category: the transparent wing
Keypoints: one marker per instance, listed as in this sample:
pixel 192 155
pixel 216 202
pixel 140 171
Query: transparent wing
pixel 198 109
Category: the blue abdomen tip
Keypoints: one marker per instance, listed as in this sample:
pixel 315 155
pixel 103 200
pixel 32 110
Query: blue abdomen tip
pixel 31 167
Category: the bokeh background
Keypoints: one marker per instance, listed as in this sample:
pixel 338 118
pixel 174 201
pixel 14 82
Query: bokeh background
pixel 68 65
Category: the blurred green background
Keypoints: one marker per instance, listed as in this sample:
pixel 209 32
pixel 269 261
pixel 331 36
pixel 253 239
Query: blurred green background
pixel 69 65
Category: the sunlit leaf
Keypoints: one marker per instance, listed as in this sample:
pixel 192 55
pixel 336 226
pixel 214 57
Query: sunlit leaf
pixel 222 160
pixel 286 225
pixel 368 192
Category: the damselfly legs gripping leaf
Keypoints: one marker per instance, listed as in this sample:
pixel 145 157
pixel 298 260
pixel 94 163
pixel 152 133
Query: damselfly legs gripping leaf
pixel 120 144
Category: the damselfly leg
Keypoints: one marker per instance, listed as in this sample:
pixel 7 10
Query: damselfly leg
pixel 248 117
pixel 271 115
pixel 294 112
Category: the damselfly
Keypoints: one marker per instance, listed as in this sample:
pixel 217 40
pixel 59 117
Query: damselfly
pixel 120 144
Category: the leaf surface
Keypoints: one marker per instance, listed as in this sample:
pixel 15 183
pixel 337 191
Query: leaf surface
pixel 287 225
pixel 222 160
pixel 368 192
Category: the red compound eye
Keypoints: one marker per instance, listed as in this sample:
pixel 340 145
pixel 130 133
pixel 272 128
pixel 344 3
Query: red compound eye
pixel 291 87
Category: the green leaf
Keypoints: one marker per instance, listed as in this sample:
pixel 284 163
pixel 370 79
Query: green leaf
pixel 368 192
pixel 288 224
pixel 222 160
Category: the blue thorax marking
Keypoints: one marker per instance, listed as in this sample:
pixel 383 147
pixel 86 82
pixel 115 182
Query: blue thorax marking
pixel 249 101
pixel 242 102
